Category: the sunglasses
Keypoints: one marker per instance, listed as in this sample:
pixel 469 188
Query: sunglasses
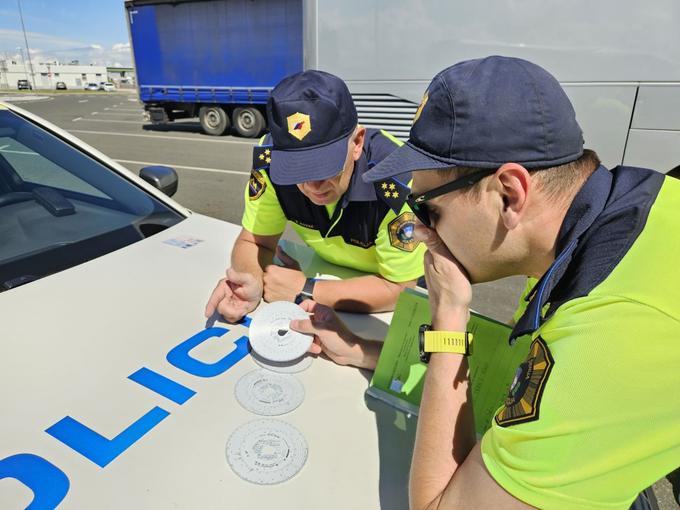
pixel 418 203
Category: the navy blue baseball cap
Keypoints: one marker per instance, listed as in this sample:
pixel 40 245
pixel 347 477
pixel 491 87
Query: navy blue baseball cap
pixel 483 113
pixel 311 118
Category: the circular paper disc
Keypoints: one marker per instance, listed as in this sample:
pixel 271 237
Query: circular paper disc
pixel 271 336
pixel 268 394
pixel 284 367
pixel 266 451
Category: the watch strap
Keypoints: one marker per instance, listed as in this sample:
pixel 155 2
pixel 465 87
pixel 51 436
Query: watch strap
pixel 459 342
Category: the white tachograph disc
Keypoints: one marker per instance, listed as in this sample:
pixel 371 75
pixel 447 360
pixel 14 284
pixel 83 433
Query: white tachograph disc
pixel 266 451
pixel 271 336
pixel 269 394
pixel 284 367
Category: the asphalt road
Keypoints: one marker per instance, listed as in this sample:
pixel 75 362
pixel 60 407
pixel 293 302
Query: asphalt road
pixel 213 172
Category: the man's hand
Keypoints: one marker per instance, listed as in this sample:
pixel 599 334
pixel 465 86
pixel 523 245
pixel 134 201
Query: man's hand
pixel 235 296
pixel 448 285
pixel 282 283
pixel 333 338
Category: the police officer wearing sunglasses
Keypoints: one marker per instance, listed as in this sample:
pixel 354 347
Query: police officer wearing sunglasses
pixel 308 173
pixel 503 186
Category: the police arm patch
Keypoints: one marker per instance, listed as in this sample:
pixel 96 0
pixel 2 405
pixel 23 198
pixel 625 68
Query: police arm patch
pixel 524 398
pixel 256 185
pixel 401 231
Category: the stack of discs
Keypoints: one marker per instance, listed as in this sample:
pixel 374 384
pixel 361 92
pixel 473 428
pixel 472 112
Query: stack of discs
pixel 268 451
pixel 274 345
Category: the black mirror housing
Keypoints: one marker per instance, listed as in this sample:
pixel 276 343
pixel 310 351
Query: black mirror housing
pixel 163 178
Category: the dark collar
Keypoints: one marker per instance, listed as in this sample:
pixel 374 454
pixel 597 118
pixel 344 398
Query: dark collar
pixel 586 207
pixel 359 191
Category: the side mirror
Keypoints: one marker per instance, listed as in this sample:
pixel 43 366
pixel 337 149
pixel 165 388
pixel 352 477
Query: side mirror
pixel 163 178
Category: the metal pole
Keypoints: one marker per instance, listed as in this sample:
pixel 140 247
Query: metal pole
pixel 23 60
pixel 28 50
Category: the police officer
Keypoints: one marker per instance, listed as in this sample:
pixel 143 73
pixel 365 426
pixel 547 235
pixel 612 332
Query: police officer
pixel 308 172
pixel 503 186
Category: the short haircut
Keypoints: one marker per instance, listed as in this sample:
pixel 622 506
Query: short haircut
pixel 556 182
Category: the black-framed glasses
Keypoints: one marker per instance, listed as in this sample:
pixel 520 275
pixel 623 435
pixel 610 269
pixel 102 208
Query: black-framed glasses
pixel 418 203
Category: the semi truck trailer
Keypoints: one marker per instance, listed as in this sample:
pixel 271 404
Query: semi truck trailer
pixel 618 60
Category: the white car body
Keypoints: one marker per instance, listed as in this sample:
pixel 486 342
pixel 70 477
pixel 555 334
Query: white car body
pixel 107 87
pixel 71 340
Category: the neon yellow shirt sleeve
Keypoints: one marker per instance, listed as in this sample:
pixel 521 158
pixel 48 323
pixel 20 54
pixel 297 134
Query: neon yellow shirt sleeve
pixel 262 214
pixel 602 425
pixel 400 258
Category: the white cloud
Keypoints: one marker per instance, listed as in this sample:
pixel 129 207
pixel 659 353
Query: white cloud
pixel 48 48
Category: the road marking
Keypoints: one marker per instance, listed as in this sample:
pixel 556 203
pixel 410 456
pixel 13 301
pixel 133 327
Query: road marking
pixel 77 119
pixel 82 100
pixel 197 168
pixel 95 113
pixel 129 114
pixel 109 120
pixel 111 133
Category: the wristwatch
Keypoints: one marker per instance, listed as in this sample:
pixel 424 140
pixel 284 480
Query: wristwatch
pixel 459 342
pixel 307 291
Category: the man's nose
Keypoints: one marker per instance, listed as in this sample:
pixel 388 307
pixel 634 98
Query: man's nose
pixel 315 185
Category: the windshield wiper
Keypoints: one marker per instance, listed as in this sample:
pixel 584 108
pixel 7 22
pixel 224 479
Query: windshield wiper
pixel 19 281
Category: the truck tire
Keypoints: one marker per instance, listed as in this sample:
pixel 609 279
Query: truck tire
pixel 214 120
pixel 248 122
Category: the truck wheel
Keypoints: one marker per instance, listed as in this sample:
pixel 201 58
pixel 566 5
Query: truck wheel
pixel 214 120
pixel 248 122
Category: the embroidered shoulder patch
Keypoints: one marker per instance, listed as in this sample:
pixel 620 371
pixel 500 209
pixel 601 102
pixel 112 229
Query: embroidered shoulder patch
pixel 401 232
pixel 524 398
pixel 256 185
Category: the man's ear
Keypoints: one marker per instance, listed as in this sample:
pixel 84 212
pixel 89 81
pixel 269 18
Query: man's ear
pixel 514 183
pixel 358 140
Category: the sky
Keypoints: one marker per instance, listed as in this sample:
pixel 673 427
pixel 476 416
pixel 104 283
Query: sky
pixel 92 32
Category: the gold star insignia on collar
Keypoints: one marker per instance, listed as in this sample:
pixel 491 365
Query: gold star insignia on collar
pixel 267 152
pixel 392 186
pixel 261 156
pixel 387 194
pixel 395 194
pixel 383 185
pixel 268 160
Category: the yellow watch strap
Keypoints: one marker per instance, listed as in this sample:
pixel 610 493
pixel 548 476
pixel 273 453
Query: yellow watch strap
pixel 448 341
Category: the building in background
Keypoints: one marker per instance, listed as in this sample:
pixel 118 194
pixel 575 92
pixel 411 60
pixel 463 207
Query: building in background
pixel 122 77
pixel 47 74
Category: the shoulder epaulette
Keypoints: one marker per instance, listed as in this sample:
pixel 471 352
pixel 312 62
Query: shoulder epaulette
pixel 392 192
pixel 262 157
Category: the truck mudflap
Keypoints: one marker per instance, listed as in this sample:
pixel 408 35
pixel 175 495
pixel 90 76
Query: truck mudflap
pixel 157 114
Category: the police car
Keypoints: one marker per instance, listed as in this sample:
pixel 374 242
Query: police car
pixel 114 391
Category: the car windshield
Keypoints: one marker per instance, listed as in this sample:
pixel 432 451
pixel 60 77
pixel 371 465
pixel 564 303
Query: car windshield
pixel 60 207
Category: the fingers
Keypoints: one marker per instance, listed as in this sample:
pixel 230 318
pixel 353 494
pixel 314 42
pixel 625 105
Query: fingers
pixel 239 278
pixel 303 326
pixel 229 311
pixel 309 305
pixel 315 348
pixel 218 294
pixel 286 259
pixel 431 239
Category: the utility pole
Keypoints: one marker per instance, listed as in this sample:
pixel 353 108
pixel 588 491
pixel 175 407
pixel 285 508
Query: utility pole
pixel 23 60
pixel 28 50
